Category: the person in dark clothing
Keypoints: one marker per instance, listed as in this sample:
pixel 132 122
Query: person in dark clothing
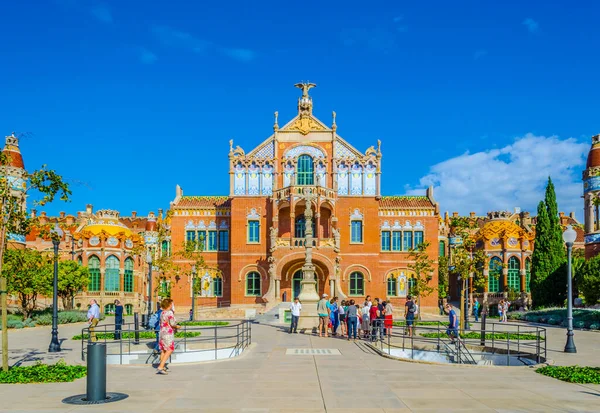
pixel 409 314
pixel 118 319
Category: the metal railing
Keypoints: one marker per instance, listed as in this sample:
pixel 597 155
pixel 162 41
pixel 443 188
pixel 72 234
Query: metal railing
pixel 235 336
pixel 513 341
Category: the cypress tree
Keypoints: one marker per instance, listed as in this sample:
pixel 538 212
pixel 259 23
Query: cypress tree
pixel 541 260
pixel 557 245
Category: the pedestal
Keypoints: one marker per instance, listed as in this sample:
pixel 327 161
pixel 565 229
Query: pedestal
pixel 309 297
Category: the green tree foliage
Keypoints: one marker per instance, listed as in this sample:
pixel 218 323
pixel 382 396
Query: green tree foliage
pixel 465 259
pixel 588 281
pixel 443 282
pixel 72 278
pixel 422 266
pixel 548 273
pixel 28 277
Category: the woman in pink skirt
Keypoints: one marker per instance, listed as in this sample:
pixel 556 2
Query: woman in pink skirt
pixel 166 341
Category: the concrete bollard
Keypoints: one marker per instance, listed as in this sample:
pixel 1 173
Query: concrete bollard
pixel 96 372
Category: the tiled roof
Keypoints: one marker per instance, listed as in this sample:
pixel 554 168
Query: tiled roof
pixel 405 202
pixel 203 202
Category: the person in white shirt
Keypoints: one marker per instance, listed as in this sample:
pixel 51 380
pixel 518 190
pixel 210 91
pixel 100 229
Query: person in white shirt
pixel 93 316
pixel 295 308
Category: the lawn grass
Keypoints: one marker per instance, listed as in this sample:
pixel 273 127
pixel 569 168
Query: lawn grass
pixel 572 374
pixel 488 336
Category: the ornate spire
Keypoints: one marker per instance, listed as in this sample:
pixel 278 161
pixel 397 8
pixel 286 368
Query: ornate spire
pixel 305 101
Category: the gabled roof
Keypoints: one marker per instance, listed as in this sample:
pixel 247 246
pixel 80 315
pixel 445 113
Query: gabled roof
pixel 405 201
pixel 203 202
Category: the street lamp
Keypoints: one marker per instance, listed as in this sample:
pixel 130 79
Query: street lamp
pixel 149 261
pixel 56 234
pixel 569 237
pixel 193 292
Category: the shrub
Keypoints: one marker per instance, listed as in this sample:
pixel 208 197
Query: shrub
pixel 64 317
pixel 488 336
pixel 594 326
pixel 131 335
pixel 579 324
pixel 204 323
pixel 572 374
pixel 43 373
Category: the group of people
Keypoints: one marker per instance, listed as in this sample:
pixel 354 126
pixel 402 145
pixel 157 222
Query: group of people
pixel 503 307
pixel 93 316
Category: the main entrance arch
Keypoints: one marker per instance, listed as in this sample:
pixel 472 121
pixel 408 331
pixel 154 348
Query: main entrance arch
pixel 291 277
pixel 296 284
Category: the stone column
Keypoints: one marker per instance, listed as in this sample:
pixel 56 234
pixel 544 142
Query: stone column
pixel 309 296
pixel 278 290
pixel 332 286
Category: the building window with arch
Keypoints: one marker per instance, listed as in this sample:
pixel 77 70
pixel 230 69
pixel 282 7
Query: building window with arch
pixel 190 236
pixel 224 240
pixel 527 275
pixel 300 227
pixel 392 286
pixel 494 275
pixel 385 241
pixel 408 240
pixel 109 308
pixel 396 240
pixel 211 245
pixel 357 283
pixel 356 236
pixel 253 231
pixel 218 287
pixel 442 248
pixel 128 281
pixel 111 274
pixel 94 270
pixel 128 309
pixel 514 274
pixel 253 284
pixel 306 170
pixel 418 238
pixel 165 248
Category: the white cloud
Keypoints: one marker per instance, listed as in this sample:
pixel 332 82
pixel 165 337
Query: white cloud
pixel 531 25
pixel 102 13
pixel 513 176
pixel 147 57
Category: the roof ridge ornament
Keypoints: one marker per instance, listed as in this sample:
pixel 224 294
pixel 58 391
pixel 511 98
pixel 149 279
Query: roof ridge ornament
pixel 305 101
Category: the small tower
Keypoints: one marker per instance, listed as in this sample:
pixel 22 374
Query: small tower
pixel 14 169
pixel 591 196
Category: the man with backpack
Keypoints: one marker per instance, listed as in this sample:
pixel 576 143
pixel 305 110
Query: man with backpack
pixel 410 310
pixel 154 324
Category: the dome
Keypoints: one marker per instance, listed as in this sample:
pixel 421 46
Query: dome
pixel 108 221
pixel 500 228
pixel 11 149
pixel 593 159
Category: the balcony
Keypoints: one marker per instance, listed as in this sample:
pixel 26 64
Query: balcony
pixel 284 194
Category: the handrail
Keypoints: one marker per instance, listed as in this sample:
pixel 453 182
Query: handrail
pixel 127 341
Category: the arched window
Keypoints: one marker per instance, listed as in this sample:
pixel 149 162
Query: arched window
pixel 128 309
pixel 514 274
pixel 128 282
pixel 109 309
pixel 297 284
pixel 218 287
pixel 527 275
pixel 392 286
pixel 111 274
pixel 94 270
pixel 306 169
pixel 300 227
pixel 357 284
pixel 253 284
pixel 494 275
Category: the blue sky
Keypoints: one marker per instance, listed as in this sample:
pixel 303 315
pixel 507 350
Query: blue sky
pixel 126 99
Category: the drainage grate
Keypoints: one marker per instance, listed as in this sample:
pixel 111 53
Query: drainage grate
pixel 312 352
pixel 80 399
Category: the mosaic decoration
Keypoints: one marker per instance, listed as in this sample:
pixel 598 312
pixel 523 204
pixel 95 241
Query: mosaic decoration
pixel 356 214
pixel 253 214
pixel 223 225
pixel 288 174
pixel 525 243
pixel 201 225
pixel 151 239
pixel 512 241
pixel 267 151
pixel 16 183
pixel 190 225
pixel 495 242
pixel 16 238
pixel 385 225
pixel 407 225
pixel 370 187
pixel 397 226
pixel 305 149
pixel 342 179
pixel 591 184
pixel 267 180
pixel 402 286
pixel 321 172
pixel 455 240
pixel 418 225
pixel 206 283
pixel 356 180
pixel 112 242
pixel 239 180
pixel 128 243
pixel 592 238
pixel 94 241
pixel 341 150
pixel 253 179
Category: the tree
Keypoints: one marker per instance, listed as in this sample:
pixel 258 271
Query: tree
pixel 28 277
pixel 443 281
pixel 72 278
pixel 45 185
pixel 422 266
pixel 547 283
pixel 589 280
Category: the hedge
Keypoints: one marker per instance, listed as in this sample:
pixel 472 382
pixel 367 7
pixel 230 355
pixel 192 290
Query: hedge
pixel 131 335
pixel 572 374
pixel 43 373
pixel 582 318
pixel 488 336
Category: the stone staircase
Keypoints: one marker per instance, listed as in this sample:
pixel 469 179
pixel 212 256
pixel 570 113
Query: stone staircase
pixel 273 315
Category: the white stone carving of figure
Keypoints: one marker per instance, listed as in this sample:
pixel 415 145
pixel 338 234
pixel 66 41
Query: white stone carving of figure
pixel 336 238
pixel 273 233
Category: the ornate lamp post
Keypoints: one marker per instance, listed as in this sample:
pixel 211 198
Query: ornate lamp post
pixel 194 292
pixel 56 234
pixel 569 237
pixel 149 261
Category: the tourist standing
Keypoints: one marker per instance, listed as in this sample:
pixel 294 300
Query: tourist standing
pixel 352 316
pixel 118 319
pixel 323 313
pixel 505 308
pixel 476 310
pixel 441 306
pixel 334 315
pixel 342 313
pixel 410 310
pixel 452 330
pixel 295 308
pixel 365 320
pixel 501 310
pixel 191 314
pixel 93 316
pixel 168 326
pixel 389 319
pixel 373 315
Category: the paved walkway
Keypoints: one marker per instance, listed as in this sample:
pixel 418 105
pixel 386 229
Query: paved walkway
pixel 265 379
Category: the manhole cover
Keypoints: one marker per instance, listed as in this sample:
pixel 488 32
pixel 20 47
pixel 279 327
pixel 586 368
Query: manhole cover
pixel 80 399
pixel 312 352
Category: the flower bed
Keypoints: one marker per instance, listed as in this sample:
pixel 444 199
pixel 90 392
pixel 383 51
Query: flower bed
pixel 43 373
pixel 488 336
pixel 572 374
pixel 204 323
pixel 582 318
pixel 130 335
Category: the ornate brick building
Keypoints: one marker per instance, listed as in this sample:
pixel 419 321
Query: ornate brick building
pixel 303 201
pixel 591 195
